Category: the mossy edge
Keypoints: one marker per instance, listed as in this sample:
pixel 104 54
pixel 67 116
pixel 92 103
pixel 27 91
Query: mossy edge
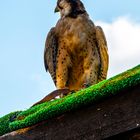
pixel 77 100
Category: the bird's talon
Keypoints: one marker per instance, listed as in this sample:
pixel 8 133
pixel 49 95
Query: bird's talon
pixel 85 85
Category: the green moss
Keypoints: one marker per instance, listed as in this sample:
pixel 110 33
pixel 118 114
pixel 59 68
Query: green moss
pixel 4 122
pixel 77 100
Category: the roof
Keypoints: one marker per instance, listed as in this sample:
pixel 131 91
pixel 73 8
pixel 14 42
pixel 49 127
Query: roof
pixel 88 96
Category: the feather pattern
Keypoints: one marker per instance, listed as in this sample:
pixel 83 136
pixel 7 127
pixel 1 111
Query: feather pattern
pixel 50 53
pixel 76 51
pixel 103 52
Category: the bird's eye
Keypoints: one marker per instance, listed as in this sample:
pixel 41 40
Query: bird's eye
pixel 60 7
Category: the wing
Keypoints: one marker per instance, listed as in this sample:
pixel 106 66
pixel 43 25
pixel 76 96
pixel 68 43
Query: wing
pixel 50 53
pixel 103 52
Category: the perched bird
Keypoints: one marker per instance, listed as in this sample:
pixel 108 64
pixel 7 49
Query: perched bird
pixel 76 53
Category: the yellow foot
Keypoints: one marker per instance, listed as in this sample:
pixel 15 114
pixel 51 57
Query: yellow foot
pixel 85 85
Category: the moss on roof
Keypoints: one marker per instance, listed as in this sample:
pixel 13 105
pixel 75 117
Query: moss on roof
pixel 4 122
pixel 74 101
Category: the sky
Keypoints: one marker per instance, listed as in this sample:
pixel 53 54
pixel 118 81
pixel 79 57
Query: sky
pixel 24 26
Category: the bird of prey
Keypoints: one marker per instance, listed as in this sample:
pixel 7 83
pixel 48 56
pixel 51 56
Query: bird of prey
pixel 76 53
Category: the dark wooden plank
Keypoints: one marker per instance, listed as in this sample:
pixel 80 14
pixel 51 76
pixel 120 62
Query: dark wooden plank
pixel 112 116
pixel 129 135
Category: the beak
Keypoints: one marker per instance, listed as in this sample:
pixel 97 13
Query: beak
pixel 56 9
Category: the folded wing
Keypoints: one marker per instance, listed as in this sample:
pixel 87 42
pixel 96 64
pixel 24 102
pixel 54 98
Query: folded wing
pixel 103 52
pixel 50 53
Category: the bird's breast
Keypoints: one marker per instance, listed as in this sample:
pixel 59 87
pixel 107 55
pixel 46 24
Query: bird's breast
pixel 74 38
pixel 74 33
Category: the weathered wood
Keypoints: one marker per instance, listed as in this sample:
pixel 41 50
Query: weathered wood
pixel 129 135
pixel 109 117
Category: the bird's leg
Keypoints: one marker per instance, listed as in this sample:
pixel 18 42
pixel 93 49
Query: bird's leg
pixel 63 94
pixel 91 73
pixel 61 79
pixel 63 62
pixel 85 85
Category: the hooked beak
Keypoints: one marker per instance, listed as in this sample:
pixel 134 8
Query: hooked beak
pixel 56 9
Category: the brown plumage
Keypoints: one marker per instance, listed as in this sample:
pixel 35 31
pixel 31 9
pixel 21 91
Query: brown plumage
pixel 75 50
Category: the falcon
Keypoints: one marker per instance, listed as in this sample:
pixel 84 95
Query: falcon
pixel 76 53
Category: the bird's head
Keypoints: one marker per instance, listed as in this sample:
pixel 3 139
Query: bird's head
pixel 69 8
